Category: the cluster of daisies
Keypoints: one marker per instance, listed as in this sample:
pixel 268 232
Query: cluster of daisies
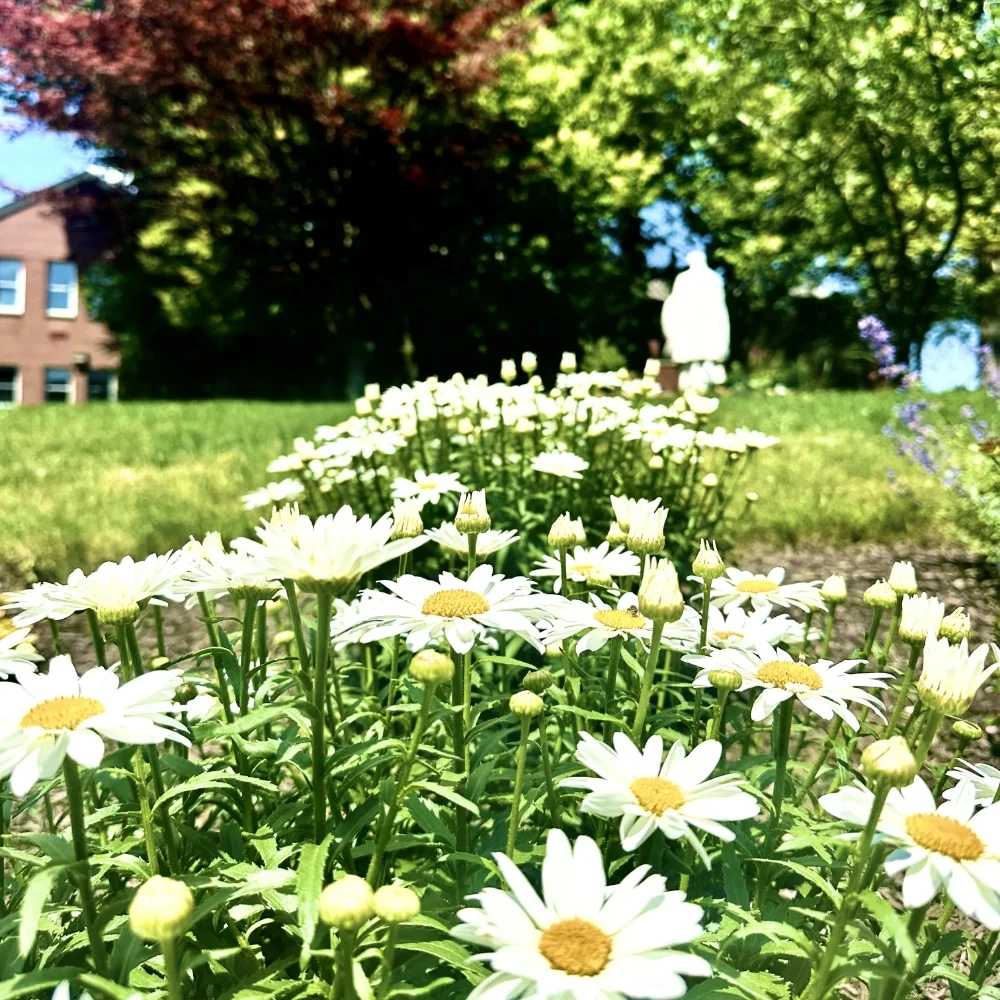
pixel 739 645
pixel 426 443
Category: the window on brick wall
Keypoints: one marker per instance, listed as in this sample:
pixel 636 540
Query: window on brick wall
pixel 9 386
pixel 102 386
pixel 58 385
pixel 11 286
pixel 63 293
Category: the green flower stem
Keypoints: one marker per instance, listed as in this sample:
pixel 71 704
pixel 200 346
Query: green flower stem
pixel 983 963
pixel 472 555
pixel 550 788
pixel 152 755
pixel 171 968
pixel 262 640
pixel 343 987
pixel 915 721
pixel 890 638
pixel 706 602
pixel 819 983
pixel 615 652
pixel 97 637
pixel 904 690
pixel 393 675
pixel 301 646
pixel 642 708
pixel 831 614
pixel 719 718
pixel 963 742
pixel 323 610
pixel 930 731
pixel 56 638
pixel 161 642
pixel 563 585
pixel 145 811
pixel 782 732
pixel 220 671
pixel 821 757
pixel 996 796
pixel 515 802
pixel 467 703
pixel 699 694
pixel 399 786
pixel 388 957
pixel 246 653
pixel 3 861
pixel 872 633
pixel 88 905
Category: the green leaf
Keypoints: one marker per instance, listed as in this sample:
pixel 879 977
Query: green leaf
pixel 427 819
pixel 309 884
pixel 893 925
pixel 220 780
pixel 35 897
pixel 733 882
pixel 450 794
pixel 58 849
pixel 808 874
pixel 39 981
pixel 452 953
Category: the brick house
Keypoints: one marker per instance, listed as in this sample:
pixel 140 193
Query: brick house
pixel 50 349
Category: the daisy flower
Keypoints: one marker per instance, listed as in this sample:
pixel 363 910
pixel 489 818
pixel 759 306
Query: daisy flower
pixel 823 687
pixel 330 553
pixel 47 716
pixel 951 676
pixel 649 792
pixel 629 512
pixel 450 610
pixel 599 622
pixel 560 463
pixel 735 629
pixel 117 592
pixel 285 491
pixel 584 565
pixel 764 592
pixel 582 938
pixel 488 542
pixel 426 487
pixel 215 571
pixel 984 778
pixel 950 847
pixel 17 653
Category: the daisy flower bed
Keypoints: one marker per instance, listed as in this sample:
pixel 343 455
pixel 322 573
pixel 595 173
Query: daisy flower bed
pixel 495 759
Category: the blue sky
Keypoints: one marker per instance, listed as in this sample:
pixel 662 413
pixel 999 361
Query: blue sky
pixel 37 158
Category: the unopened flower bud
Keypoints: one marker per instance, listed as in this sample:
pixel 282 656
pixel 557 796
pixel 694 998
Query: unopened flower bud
pixel 472 517
pixel 396 904
pixel 185 692
pixel 466 427
pixel 373 392
pixel 656 462
pixel 752 497
pixel 652 368
pixel 921 617
pixel 529 363
pixel 725 679
pixel 834 590
pixel 880 595
pixel 645 532
pixel 526 704
pixel 710 481
pixel 966 731
pixel 660 596
pixel 119 614
pixel 890 761
pixel 430 666
pixel 158 661
pixel 568 362
pixel 615 535
pixel 406 520
pixel 363 407
pixel 708 563
pixel 598 576
pixel 284 638
pixel 566 532
pixel 537 681
pixel 956 626
pixel 346 904
pixel 903 578
pixel 553 651
pixel 508 370
pixel 160 909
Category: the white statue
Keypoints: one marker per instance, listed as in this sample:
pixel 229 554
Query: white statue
pixel 695 324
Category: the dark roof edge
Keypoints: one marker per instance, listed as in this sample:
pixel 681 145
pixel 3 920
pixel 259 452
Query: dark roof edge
pixel 26 201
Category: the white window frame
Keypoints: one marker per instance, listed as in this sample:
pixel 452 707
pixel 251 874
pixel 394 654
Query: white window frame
pixel 73 292
pixel 17 309
pixel 16 401
pixel 70 385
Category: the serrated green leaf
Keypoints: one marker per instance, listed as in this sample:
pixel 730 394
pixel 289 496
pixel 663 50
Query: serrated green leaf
pixel 891 922
pixel 309 884
pixel 734 883
pixel 452 953
pixel 450 794
pixel 427 819
pixel 35 897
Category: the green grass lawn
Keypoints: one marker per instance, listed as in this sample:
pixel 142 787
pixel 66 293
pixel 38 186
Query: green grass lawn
pixel 81 485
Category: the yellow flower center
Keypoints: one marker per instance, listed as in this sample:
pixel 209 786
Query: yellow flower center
pixel 61 713
pixel 455 604
pixel 945 835
pixel 724 635
pixel 584 569
pixel 575 947
pixel 754 586
pixel 628 618
pixel 427 486
pixel 657 795
pixel 789 676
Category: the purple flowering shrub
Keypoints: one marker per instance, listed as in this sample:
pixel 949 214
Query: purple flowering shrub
pixel 962 452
